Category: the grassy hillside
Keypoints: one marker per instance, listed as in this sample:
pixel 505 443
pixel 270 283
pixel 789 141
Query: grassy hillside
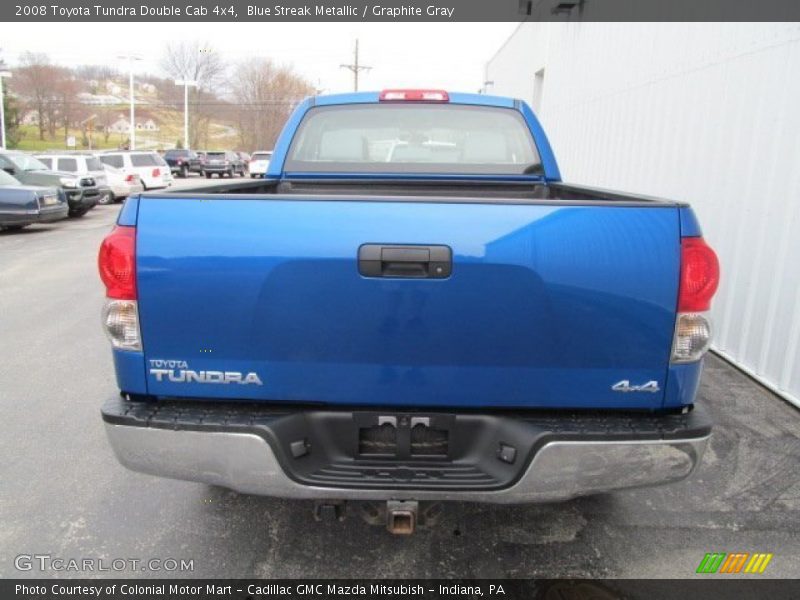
pixel 170 122
pixel 171 130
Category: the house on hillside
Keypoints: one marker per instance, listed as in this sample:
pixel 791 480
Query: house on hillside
pixel 30 117
pixel 143 122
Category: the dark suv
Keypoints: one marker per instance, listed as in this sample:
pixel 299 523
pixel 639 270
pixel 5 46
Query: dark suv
pixel 183 162
pixel 223 163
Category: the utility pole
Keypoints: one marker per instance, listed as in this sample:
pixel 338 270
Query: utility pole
pixel 2 110
pixel 186 83
pixel 355 68
pixel 132 129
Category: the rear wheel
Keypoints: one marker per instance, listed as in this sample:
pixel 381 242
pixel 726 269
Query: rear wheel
pixel 184 172
pixel 78 213
pixel 208 175
pixel 107 198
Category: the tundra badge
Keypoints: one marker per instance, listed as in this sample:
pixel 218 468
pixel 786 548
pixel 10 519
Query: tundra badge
pixel 177 371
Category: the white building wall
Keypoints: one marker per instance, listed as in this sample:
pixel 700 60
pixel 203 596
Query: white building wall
pixel 703 112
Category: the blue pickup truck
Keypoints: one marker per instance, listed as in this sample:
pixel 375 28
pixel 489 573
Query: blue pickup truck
pixel 410 306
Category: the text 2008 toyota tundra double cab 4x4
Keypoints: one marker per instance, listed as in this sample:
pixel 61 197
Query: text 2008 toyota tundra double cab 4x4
pixel 410 306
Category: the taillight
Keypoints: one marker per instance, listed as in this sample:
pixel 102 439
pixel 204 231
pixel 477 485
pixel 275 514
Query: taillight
pixel 414 96
pixel 129 179
pixel 117 263
pixel 698 283
pixel 156 172
pixel 699 275
pixel 121 322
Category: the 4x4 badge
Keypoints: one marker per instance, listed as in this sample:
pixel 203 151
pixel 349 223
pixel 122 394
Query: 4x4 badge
pixel 625 386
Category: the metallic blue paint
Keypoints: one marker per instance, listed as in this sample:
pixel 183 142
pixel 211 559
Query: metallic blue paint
pixel 275 168
pixel 549 164
pixel 683 381
pixel 130 369
pixel 690 226
pixel 547 306
pixel 128 212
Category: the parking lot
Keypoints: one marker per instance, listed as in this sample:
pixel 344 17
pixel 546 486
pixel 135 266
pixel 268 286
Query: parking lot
pixel 63 493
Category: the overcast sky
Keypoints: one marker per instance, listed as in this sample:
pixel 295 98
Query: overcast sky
pixel 437 55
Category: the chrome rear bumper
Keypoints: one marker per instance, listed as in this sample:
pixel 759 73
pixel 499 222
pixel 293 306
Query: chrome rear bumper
pixel 559 470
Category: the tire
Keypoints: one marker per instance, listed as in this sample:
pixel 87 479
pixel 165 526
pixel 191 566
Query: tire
pixel 107 198
pixel 184 172
pixel 208 175
pixel 77 214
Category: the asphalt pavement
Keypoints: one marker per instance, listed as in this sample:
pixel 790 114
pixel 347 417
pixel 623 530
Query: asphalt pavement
pixel 63 494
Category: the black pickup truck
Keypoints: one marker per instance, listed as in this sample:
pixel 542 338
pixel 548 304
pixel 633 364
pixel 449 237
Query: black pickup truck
pixel 182 162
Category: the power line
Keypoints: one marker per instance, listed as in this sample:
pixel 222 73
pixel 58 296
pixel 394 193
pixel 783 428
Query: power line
pixel 355 68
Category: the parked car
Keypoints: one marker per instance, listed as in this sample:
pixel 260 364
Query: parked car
pixel 223 163
pixel 122 183
pixel 81 164
pixel 182 162
pixel 259 162
pixel 151 168
pixel 453 324
pixel 23 205
pixel 81 193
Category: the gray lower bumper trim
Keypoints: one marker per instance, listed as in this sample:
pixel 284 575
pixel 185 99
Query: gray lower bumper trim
pixel 560 470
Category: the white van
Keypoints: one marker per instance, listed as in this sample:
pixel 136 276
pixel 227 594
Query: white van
pixel 149 166
pixel 259 161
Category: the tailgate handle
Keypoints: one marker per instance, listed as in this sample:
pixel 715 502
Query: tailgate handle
pixel 405 261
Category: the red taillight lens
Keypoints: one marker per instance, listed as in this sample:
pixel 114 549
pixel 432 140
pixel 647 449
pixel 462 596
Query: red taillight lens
pixel 156 172
pixel 414 96
pixel 117 263
pixel 699 275
pixel 129 179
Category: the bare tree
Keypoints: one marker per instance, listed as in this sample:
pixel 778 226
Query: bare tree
pixel 196 61
pixel 66 88
pixel 96 72
pixel 11 113
pixel 106 115
pixel 35 81
pixel 264 95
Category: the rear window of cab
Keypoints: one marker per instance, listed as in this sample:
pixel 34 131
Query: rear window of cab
pixel 414 138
